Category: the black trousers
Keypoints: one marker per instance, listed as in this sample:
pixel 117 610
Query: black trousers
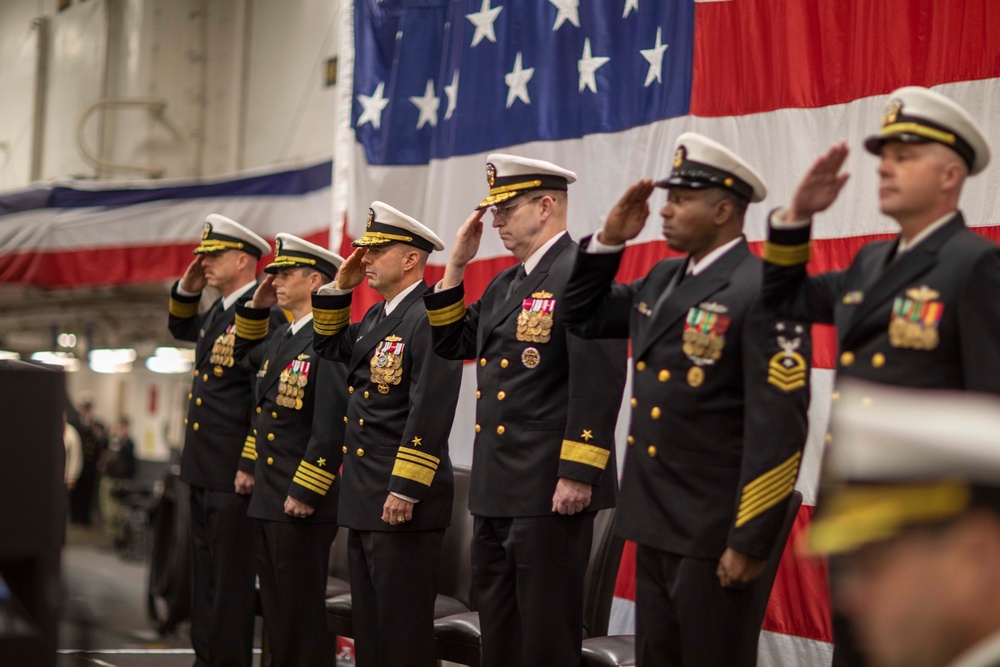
pixel 685 618
pixel 528 577
pixel 81 498
pixel 222 563
pixel 394 581
pixel 292 564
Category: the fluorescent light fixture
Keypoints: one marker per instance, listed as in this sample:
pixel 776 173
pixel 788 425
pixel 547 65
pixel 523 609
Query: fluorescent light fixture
pixel 112 360
pixel 65 359
pixel 7 354
pixel 171 360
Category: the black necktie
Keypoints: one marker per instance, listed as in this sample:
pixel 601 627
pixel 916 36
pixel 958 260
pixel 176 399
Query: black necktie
pixel 519 277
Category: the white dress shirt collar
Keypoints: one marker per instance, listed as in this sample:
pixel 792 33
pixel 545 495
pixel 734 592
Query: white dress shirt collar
pixel 228 301
pixel 905 245
pixel 301 322
pixel 694 268
pixel 396 300
pixel 536 257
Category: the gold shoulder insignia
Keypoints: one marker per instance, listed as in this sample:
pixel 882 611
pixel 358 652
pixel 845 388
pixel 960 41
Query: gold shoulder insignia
pixel 541 295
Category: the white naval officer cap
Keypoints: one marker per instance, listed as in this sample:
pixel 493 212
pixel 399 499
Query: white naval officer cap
pixel 902 457
pixel 221 233
pixel 388 225
pixel 920 115
pixel 510 175
pixel 290 251
pixel 700 163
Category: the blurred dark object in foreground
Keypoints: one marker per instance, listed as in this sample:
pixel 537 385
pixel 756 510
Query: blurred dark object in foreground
pixel 33 502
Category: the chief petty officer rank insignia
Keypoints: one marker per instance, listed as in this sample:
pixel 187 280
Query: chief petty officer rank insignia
pixel 534 322
pixel 387 363
pixel 787 368
pixel 915 319
pixel 222 350
pixel 294 379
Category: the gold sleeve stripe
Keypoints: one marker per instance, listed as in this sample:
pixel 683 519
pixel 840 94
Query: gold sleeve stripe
pixel 330 317
pixel 777 471
pixel 761 491
pixel 405 455
pixel 248 329
pixel 413 471
pixel 442 317
pixel 301 481
pixel 183 309
pixel 751 506
pixel 319 472
pixel 304 474
pixel 250 448
pixel 329 331
pixel 745 518
pixel 423 455
pixel 580 452
pixel 787 255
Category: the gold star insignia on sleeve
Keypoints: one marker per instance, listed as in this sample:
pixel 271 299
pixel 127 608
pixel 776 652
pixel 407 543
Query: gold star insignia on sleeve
pixel 587 435
pixel 417 441
pixel 321 462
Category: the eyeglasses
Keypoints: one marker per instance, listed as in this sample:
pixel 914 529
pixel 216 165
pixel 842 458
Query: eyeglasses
pixel 508 210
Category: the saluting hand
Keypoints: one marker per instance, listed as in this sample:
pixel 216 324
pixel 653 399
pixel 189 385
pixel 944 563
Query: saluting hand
pixel 194 279
pixel 467 240
pixel 264 296
pixel 736 569
pixel 352 271
pixel 821 184
pixel 629 215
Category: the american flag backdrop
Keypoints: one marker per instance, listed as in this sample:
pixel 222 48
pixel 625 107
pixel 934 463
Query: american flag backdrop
pixel 604 87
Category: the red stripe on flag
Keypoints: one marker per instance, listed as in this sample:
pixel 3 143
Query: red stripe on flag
pixel 800 599
pixel 109 266
pixel 625 582
pixel 752 56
